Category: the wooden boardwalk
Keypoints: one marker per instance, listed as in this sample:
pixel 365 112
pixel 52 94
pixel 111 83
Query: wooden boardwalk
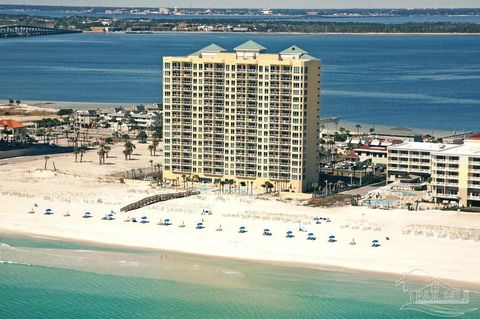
pixel 155 199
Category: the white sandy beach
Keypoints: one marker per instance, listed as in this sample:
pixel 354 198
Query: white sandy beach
pixel 444 244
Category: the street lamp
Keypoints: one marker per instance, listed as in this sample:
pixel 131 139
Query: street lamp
pixel 326 188
pixel 314 185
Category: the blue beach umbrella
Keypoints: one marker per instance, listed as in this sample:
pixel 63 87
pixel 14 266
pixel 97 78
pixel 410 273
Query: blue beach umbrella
pixel 331 237
pixel 242 227
pixel 311 234
pixel 144 217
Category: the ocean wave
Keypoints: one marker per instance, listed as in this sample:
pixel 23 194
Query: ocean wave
pixel 129 263
pixel 7 246
pixel 233 273
pixel 11 262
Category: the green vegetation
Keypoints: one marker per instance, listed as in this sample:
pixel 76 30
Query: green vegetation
pixel 136 24
pixel 63 112
pixel 128 151
pixel 48 122
pixel 142 136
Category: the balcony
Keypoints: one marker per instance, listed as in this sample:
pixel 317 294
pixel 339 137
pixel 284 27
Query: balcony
pixel 445 184
pixel 452 196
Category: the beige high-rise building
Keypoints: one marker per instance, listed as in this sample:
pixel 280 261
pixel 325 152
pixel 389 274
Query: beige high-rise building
pixel 245 115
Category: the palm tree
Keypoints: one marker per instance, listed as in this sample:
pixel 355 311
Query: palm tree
pixel 222 185
pixel 268 186
pixel 41 132
pixel 82 151
pixel 357 127
pixel 104 149
pixel 107 149
pixel 150 148
pixel 184 178
pixel 155 145
pixel 230 182
pixel 46 160
pixel 129 147
pixel 101 156
pixel 142 136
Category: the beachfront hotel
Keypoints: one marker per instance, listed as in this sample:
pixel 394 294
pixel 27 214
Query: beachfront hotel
pixel 454 170
pixel 245 115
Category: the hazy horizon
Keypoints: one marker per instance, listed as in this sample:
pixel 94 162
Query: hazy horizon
pixel 274 4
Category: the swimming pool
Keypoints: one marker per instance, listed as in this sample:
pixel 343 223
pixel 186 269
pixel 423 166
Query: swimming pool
pixel 377 202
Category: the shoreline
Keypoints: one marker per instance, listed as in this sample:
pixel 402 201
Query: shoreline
pixel 384 275
pixel 293 33
pixel 409 240
pixel 56 105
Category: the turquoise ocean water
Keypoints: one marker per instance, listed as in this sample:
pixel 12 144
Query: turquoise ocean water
pixel 50 279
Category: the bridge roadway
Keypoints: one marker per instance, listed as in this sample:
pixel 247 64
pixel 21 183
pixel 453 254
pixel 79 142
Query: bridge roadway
pixel 8 31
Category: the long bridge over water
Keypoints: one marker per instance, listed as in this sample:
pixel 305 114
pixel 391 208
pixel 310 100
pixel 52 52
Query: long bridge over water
pixel 8 31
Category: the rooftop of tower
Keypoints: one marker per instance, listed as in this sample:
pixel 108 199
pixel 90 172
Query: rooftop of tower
pixel 252 47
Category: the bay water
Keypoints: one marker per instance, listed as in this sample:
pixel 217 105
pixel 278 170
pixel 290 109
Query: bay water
pixel 423 81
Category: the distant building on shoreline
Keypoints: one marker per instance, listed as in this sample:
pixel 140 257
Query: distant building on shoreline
pixel 11 131
pixel 452 170
pixel 247 115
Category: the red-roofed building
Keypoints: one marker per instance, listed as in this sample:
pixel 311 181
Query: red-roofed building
pixel 376 150
pixel 473 138
pixel 352 157
pixel 11 130
pixel 376 154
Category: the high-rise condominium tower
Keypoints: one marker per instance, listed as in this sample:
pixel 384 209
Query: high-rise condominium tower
pixel 246 115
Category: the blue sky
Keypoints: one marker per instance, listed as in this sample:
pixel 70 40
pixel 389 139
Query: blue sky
pixel 262 3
